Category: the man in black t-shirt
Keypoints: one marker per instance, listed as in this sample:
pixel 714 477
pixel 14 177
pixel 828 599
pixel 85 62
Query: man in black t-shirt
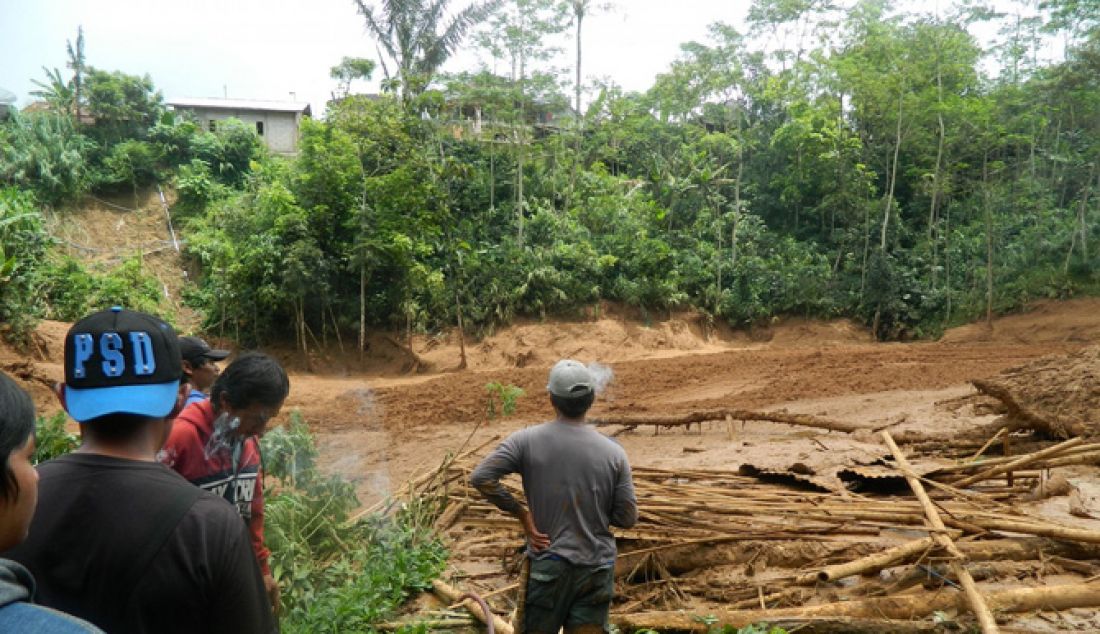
pixel 118 538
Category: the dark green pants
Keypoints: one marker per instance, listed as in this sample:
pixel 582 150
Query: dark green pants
pixel 560 594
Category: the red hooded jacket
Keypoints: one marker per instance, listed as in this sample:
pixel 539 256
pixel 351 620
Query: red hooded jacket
pixel 224 465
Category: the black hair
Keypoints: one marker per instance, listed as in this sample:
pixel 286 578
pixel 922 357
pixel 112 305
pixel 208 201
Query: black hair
pixel 573 406
pixel 16 427
pixel 116 427
pixel 252 378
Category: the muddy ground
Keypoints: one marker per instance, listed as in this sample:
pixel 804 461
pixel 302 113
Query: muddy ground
pixel 379 425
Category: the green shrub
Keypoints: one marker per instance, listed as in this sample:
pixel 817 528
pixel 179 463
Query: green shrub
pixel 68 290
pixel 45 154
pixel 23 245
pixel 338 576
pixel 197 186
pixel 51 439
pixel 131 163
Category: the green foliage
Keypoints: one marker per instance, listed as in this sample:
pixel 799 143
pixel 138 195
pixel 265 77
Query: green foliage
pixel 122 106
pixel 68 290
pixel 229 151
pixel 196 186
pixel 335 575
pixel 51 439
pixel 23 246
pixel 45 154
pixel 129 164
pixel 502 399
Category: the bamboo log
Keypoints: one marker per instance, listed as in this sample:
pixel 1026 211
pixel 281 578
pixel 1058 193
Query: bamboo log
pixel 846 625
pixel 905 608
pixel 450 594
pixel 451 515
pixel 973 597
pixel 871 563
pixel 999 460
pixel 1025 549
pixel 1040 529
pixel 690 418
pixel 1020 462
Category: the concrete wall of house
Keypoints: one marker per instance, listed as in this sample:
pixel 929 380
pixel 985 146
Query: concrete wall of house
pixel 279 129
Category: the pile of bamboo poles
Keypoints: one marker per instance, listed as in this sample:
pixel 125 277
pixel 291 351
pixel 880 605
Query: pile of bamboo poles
pixel 768 552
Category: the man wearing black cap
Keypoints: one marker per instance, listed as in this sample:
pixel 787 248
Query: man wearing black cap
pixel 200 367
pixel 119 539
pixel 578 484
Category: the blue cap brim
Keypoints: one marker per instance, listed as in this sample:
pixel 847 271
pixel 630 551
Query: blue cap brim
pixel 154 401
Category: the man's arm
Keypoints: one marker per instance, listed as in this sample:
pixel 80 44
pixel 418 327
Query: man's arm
pixel 256 533
pixel 505 459
pixel 624 506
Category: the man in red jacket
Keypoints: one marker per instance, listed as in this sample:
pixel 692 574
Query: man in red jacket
pixel 215 443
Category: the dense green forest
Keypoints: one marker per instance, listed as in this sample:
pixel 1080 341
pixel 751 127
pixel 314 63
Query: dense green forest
pixel 827 161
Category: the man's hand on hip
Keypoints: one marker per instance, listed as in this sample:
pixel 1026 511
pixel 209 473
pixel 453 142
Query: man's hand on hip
pixel 536 539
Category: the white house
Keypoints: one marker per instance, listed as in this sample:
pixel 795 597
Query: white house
pixel 276 122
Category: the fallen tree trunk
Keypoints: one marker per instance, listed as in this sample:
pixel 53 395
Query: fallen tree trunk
pixel 903 608
pixel 721 414
pixel 1021 417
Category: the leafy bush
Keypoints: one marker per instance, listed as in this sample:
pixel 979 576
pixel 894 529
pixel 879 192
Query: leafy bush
pixel 131 163
pixel 69 291
pixel 45 154
pixel 335 575
pixel 23 245
pixel 229 151
pixel 51 439
pixel 197 186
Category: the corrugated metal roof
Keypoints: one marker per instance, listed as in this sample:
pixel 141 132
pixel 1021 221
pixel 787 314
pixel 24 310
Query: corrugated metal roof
pixel 239 104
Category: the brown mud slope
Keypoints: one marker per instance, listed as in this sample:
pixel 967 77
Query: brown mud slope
pixel 1073 322
pixel 105 230
pixel 1058 394
pixel 382 430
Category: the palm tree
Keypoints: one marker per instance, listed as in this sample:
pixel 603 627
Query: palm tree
pixel 580 8
pixel 57 92
pixel 77 65
pixel 417 37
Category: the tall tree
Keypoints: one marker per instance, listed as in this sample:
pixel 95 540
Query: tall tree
pixel 418 37
pixel 520 32
pixel 348 70
pixel 76 63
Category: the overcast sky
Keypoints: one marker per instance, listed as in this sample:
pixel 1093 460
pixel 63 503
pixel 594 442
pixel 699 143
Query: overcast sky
pixel 267 49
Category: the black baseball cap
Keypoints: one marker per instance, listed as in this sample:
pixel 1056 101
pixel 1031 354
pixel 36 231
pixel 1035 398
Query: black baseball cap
pixel 193 349
pixel 121 361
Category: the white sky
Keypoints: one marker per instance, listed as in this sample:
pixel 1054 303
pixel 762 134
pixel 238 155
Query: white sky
pixel 266 49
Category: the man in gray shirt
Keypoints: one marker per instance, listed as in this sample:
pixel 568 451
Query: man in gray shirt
pixel 578 484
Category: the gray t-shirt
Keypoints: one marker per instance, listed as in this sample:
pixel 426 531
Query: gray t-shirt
pixel 577 483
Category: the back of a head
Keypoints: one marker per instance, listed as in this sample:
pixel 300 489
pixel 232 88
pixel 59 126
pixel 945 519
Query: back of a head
pixel 572 388
pixel 16 427
pixel 122 368
pixel 252 379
